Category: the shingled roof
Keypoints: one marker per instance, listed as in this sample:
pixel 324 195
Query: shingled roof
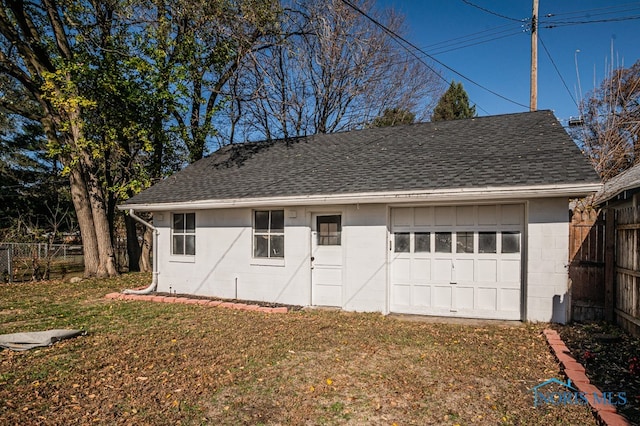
pixel 505 151
pixel 627 181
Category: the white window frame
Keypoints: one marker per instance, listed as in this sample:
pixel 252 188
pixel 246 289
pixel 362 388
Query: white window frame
pixel 184 232
pixel 268 233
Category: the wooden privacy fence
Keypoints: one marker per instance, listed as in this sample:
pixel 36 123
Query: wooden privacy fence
pixel 626 293
pixel 586 266
pixel 604 269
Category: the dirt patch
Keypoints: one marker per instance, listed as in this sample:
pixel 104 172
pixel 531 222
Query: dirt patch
pixel 248 302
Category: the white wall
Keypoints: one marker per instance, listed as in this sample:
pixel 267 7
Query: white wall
pixel 224 258
pixel 224 267
pixel 547 274
pixel 365 274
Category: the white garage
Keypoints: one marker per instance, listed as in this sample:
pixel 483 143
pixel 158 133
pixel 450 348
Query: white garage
pixel 463 218
pixel 461 261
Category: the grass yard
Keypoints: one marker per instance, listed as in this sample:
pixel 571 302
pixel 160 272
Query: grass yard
pixel 152 363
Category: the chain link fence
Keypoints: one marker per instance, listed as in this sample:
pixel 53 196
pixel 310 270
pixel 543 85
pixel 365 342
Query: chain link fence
pixel 35 261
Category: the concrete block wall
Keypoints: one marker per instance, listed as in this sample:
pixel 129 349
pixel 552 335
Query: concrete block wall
pixel 547 254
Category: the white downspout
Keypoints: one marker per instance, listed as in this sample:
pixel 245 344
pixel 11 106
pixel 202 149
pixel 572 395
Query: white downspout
pixel 154 267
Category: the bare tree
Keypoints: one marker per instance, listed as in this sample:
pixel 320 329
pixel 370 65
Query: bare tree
pixel 611 115
pixel 335 70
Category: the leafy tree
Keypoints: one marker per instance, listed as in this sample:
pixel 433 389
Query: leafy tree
pixel 394 117
pixel 42 52
pixel 453 105
pixel 611 116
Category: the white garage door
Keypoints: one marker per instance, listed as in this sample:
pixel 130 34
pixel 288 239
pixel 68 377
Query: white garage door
pixel 462 261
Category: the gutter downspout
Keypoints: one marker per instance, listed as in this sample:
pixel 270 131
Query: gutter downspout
pixel 154 267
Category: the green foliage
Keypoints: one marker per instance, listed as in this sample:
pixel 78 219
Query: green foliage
pixel 453 105
pixel 394 117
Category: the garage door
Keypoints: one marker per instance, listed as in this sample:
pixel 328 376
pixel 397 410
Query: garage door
pixel 462 261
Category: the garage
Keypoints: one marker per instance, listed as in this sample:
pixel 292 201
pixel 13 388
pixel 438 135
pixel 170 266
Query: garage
pixel 461 261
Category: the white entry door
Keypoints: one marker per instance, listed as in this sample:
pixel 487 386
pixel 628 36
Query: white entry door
pixel 326 259
pixel 457 260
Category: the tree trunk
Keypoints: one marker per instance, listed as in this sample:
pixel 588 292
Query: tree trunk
pixel 107 266
pixel 147 245
pixel 82 206
pixel 133 248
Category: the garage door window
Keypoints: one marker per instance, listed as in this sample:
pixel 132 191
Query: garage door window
pixel 486 242
pixel 443 242
pixel 464 242
pixel 422 242
pixel 511 242
pixel 402 242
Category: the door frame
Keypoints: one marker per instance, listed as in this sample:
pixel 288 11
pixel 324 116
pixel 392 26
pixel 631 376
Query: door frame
pixel 312 217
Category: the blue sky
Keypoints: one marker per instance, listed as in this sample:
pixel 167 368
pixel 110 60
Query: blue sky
pixel 500 61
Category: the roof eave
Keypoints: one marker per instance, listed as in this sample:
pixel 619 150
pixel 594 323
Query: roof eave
pixel 436 195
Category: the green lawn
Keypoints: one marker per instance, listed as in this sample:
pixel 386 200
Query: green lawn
pixel 152 363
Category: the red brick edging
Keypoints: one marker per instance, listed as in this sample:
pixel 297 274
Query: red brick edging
pixel 203 302
pixel 574 371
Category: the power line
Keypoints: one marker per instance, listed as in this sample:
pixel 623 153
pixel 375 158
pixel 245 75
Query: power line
pixel 439 52
pixel 416 48
pixel 588 12
pixel 492 12
pixel 557 70
pixel 471 35
pixel 555 24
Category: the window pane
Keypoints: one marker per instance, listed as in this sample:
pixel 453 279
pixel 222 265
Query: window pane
pixel 464 242
pixel 486 242
pixel 178 222
pixel 511 242
pixel 262 221
pixel 260 246
pixel 443 242
pixel 191 223
pixel 402 244
pixel 178 244
pixel 190 244
pixel 277 246
pixel 422 242
pixel 329 230
pixel 277 221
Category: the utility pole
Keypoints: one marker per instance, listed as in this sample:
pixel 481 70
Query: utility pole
pixel 533 104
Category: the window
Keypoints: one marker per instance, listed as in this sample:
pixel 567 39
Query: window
pixel 184 234
pixel 329 230
pixel 422 242
pixel 268 233
pixel 464 242
pixel 486 242
pixel 510 242
pixel 443 242
pixel 402 242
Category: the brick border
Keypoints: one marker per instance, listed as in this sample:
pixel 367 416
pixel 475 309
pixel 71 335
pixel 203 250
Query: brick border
pixel 604 413
pixel 202 302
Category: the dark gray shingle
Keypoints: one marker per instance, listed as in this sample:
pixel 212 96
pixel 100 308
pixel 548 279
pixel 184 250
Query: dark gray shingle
pixel 525 149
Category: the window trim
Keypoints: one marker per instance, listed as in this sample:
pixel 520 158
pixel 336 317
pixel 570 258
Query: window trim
pixel 184 232
pixel 269 233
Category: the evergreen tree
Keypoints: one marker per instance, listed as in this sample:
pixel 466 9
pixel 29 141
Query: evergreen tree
pixel 394 117
pixel 453 105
